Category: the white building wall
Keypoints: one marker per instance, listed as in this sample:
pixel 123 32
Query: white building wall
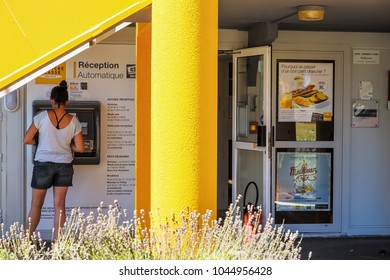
pixel 366 156
pixel 12 192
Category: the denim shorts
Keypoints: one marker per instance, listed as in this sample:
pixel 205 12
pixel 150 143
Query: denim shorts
pixel 47 174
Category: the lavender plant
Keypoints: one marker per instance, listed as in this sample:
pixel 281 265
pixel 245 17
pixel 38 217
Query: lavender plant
pixel 19 244
pixel 188 235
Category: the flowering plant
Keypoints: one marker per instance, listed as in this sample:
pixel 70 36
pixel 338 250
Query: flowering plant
pixel 110 235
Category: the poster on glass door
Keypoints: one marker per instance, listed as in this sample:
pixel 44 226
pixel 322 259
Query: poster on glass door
pixel 303 180
pixel 305 90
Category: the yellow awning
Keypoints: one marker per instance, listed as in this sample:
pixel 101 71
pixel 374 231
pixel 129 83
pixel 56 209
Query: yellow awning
pixel 36 33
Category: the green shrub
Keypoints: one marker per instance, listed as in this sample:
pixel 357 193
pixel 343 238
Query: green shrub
pixel 110 235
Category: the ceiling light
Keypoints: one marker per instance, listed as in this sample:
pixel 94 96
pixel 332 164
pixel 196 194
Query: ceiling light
pixel 311 13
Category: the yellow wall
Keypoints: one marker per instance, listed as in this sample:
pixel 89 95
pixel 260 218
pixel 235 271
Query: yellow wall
pixel 184 105
pixel 143 86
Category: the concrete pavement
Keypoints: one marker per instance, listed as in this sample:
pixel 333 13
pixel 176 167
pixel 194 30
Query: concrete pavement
pixel 346 248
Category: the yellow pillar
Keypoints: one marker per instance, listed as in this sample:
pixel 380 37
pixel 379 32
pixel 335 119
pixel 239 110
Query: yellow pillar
pixel 142 118
pixel 184 105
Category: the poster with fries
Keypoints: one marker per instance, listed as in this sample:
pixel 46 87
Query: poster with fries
pixel 305 90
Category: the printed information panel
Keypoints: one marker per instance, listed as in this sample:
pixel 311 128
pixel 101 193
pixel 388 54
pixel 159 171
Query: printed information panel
pixel 120 146
pixel 305 90
pixel 303 183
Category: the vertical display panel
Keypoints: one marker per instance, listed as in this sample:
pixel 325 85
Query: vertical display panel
pixel 305 95
pixel 304 185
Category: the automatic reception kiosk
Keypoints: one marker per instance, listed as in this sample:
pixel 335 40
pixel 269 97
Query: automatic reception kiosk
pixel 88 113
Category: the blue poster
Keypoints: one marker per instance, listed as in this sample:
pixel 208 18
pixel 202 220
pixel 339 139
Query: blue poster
pixel 303 181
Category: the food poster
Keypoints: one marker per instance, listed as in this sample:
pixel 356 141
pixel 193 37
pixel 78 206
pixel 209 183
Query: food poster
pixel 303 181
pixel 305 91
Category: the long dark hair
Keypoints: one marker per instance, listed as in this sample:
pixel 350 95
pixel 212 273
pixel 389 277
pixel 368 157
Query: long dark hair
pixel 60 93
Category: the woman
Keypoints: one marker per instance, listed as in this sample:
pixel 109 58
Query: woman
pixel 59 136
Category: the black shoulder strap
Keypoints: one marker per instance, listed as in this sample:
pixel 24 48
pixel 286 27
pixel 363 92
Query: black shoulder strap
pixel 58 121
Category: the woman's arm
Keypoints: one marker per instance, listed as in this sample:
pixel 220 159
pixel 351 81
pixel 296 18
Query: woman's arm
pixel 78 143
pixel 29 136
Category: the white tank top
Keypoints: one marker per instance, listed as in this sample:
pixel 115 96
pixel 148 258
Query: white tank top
pixel 54 144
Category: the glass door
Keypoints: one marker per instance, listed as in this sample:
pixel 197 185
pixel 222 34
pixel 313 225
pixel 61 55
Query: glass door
pixel 307 130
pixel 251 127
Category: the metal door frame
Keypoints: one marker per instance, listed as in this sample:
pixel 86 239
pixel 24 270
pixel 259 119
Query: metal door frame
pixel 237 145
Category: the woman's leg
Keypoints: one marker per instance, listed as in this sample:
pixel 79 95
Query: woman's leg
pixel 38 198
pixel 59 194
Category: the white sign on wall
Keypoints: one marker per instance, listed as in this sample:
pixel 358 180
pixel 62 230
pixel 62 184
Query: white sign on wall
pixel 366 56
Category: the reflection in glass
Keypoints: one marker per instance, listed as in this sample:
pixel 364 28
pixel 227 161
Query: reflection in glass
pixel 249 169
pixel 250 110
